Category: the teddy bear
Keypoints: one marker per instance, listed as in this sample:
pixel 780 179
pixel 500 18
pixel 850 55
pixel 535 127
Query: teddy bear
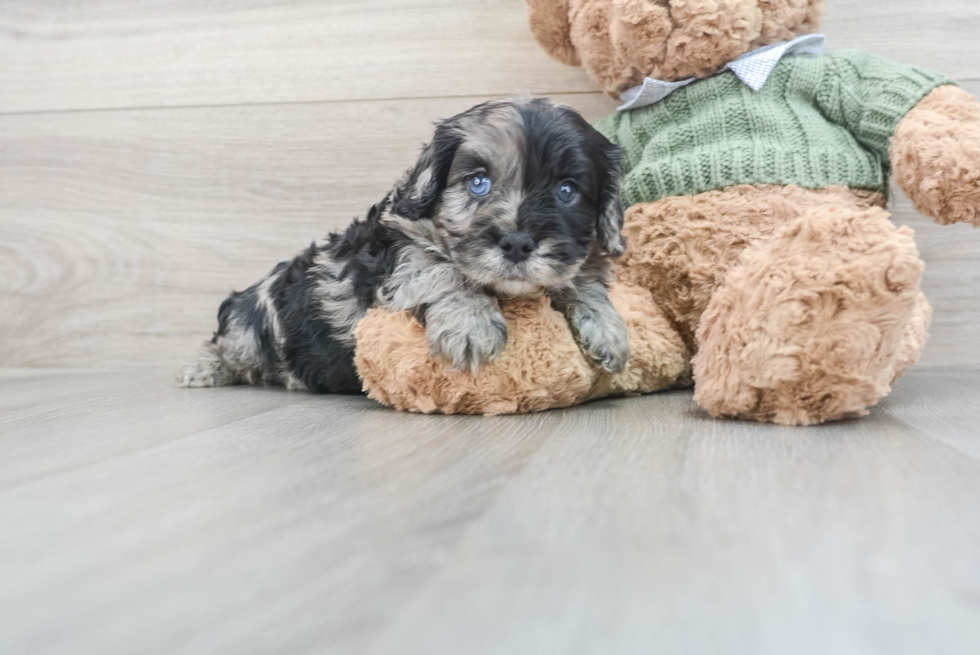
pixel 761 263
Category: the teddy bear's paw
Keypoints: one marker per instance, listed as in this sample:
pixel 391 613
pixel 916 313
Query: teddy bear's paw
pixel 466 330
pixel 604 338
pixel 935 156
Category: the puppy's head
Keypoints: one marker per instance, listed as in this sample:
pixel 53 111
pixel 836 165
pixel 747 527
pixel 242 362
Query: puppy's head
pixel 522 193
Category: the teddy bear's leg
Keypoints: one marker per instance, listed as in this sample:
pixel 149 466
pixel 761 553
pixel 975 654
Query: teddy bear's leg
pixel 541 368
pixel 915 337
pixel 815 323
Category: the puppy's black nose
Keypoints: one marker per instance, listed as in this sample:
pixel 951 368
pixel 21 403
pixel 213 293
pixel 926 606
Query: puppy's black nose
pixel 517 246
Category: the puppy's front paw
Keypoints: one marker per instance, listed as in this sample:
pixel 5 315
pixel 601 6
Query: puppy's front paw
pixel 466 332
pixel 603 337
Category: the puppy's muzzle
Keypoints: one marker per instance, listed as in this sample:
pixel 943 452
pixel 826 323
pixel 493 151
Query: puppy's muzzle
pixel 517 246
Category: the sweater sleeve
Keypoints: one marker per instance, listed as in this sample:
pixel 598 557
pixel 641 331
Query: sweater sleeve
pixel 870 95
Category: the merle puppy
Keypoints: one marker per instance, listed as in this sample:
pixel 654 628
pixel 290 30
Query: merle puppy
pixel 512 197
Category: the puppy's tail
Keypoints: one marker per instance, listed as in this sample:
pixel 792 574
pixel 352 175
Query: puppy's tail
pixel 209 370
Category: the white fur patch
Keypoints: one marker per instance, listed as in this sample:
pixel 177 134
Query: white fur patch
pixel 292 383
pixel 264 295
pixel 515 288
pixel 340 307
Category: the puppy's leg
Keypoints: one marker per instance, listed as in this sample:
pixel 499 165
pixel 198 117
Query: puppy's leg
pixel 207 371
pixel 601 330
pixel 244 348
pixel 466 329
pixel 462 325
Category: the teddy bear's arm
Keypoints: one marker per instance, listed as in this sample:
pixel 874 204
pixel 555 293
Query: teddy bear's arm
pixel 870 95
pixel 935 155
pixel 918 120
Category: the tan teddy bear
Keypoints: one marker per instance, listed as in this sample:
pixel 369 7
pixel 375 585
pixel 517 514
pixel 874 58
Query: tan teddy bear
pixel 758 241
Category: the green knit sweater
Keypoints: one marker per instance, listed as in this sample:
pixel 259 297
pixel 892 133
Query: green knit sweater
pixel 818 121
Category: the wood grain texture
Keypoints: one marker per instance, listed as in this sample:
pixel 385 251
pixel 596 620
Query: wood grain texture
pixel 48 420
pixel 940 35
pixel 942 403
pixel 306 526
pixel 121 232
pixel 117 53
pixel 681 535
pixel 62 55
pixel 332 525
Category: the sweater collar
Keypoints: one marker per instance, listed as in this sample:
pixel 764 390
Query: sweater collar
pixel 753 68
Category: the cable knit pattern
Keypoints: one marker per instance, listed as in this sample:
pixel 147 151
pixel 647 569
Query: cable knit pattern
pixel 817 122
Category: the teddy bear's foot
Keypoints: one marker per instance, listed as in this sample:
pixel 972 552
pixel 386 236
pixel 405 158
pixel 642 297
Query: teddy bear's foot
pixel 815 323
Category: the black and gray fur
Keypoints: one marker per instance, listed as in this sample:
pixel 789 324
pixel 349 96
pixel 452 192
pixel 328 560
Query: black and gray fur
pixel 434 248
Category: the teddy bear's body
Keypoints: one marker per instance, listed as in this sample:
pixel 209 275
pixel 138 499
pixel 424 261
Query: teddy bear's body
pixel 755 220
pixel 817 121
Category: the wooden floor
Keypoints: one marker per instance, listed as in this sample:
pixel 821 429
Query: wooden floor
pixel 142 518
pixel 156 154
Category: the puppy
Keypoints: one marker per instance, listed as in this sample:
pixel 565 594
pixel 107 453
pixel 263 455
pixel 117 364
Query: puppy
pixel 512 197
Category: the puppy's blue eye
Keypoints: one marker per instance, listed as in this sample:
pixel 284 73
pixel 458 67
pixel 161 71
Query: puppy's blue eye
pixel 479 185
pixel 567 193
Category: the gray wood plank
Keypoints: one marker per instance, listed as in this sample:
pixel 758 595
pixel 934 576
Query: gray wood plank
pixel 943 404
pixel 661 531
pixel 51 423
pixel 114 53
pixel 332 525
pixel 303 529
pixel 940 36
pixel 116 247
pixel 25 393
pixel 120 233
pixel 119 53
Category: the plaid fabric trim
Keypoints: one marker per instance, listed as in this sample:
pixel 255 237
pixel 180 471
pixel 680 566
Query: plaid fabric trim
pixel 753 68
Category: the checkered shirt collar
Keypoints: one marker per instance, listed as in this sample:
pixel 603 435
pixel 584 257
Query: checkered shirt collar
pixel 753 68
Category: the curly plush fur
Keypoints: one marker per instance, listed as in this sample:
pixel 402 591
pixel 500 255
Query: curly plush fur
pixel 681 248
pixel 541 368
pixel 809 326
pixel 797 306
pixel 935 155
pixel 619 42
pixel 819 282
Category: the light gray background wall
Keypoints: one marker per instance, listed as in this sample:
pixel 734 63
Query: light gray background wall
pixel 155 154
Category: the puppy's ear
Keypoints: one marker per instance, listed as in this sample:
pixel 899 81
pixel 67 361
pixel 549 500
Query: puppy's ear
pixel 609 224
pixel 418 196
